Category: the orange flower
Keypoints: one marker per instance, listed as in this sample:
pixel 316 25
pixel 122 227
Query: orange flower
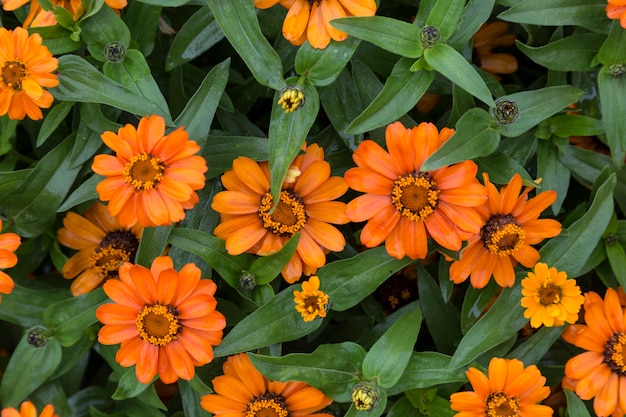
pixel 311 302
pixel 9 242
pixel 404 205
pixel 616 9
pixel 102 244
pixel 310 20
pixel 165 320
pixel 27 409
pixel 600 372
pixel 25 67
pixel 243 392
pixel 489 37
pixel 305 206
pixel 154 177
pixel 510 225
pixel 508 389
pixel 37 16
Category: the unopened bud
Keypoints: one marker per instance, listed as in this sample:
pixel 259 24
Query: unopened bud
pixel 365 396
pixel 291 98
pixel 506 111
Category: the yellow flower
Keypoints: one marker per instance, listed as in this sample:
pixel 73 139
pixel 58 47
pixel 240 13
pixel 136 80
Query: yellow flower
pixel 311 302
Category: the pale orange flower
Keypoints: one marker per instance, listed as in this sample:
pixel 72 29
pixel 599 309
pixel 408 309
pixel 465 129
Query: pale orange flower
pixel 509 389
pixel 510 225
pixel 26 66
pixel 310 20
pixel 38 17
pixel 153 177
pixel 9 242
pixel 616 9
pixel 311 302
pixel 102 244
pixel 489 37
pixel 165 320
pixel 28 409
pixel 305 206
pixel 404 205
pixel 243 392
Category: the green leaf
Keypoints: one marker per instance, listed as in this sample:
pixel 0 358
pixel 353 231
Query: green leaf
pixel 536 346
pixel 573 53
pixel 52 120
pixel 57 39
pixel 376 412
pixel 613 105
pixel 333 369
pixel 555 175
pixel 502 167
pixel 338 112
pixel 388 357
pixel 445 15
pixel 191 400
pixel 266 268
pixel 152 244
pixel 143 21
pixel 565 125
pixel 475 302
pixel 128 385
pixel 11 180
pixel 402 408
pixel 584 165
pixel 240 25
pixel 103 28
pixel 617 259
pixel 322 66
pixel 393 35
pixel 165 3
pixel 613 50
pixel 475 14
pixel 452 65
pixel 86 191
pixel 586 13
pixel 426 369
pixel 25 306
pixel 575 406
pixel 221 151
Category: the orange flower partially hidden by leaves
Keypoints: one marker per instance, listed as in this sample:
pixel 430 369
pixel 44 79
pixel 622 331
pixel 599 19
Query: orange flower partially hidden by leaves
pixel 489 37
pixel 153 178
pixel 243 392
pixel 616 9
pixel 38 17
pixel 165 320
pixel 508 389
pixel 310 20
pixel 26 66
pixel 510 225
pixel 9 242
pixel 404 205
pixel 102 243
pixel 28 409
pixel 311 302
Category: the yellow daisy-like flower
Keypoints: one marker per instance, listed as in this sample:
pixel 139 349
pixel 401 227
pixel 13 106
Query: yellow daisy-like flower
pixel 311 302
pixel 550 298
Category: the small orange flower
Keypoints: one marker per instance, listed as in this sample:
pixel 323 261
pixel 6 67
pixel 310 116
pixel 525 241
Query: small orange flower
pixel 9 242
pixel 153 177
pixel 25 67
pixel 489 37
pixel 311 302
pixel 243 392
pixel 305 206
pixel 405 205
pixel 510 225
pixel 165 320
pixel 616 9
pixel 103 245
pixel 310 20
pixel 27 409
pixel 509 389
pixel 38 17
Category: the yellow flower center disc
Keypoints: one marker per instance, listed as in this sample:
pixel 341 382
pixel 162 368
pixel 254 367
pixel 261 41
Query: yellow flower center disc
pixel 116 248
pixel 549 294
pixel 143 171
pixel 502 235
pixel 415 196
pixel 501 405
pixel 158 324
pixel 267 405
pixel 12 73
pixel 287 218
pixel 614 354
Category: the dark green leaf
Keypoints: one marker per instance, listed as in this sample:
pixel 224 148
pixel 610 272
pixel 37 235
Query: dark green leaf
pixel 585 13
pixel 573 53
pixel 502 167
pixel 475 14
pixel 52 120
pixel 221 151
pixel 128 385
pixel 25 306
pixel 424 370
pixel 533 348
pixel 266 268
pixel 322 66
pixel 86 191
pixel 613 50
pixel 565 125
pixel 152 244
pixel 445 15
pixel 575 406
pixel 555 175
pixel 103 28
pixel 57 39
pixel 612 91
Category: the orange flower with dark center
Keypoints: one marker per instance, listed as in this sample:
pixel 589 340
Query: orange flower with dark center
pixel 616 9
pixel 38 17
pixel 403 205
pixel 508 390
pixel 153 177
pixel 306 206
pixel 26 66
pixel 165 320
pixel 28 409
pixel 243 392
pixel 102 243
pixel 489 37
pixel 9 242
pixel 310 19
pixel 510 225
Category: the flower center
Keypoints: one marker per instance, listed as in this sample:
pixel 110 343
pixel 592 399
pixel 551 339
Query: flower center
pixel 415 195
pixel 614 351
pixel 288 217
pixel 143 171
pixel 12 73
pixel 502 235
pixel 116 248
pixel 549 294
pixel 267 405
pixel 158 324
pixel 499 404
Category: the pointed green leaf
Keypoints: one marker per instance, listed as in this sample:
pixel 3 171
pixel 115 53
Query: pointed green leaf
pixel 101 29
pixel 613 50
pixel 376 412
pixel 52 120
pixel 322 66
pixel 585 13
pixel 613 101
pixel 266 268
pixel 25 306
pixel 152 244
pixel 537 345
pixel 565 125
pixel 475 14
pixel 445 15
pixel 424 370
pixel 554 173
pixel 221 151
pixel 575 406
pixel 502 167
pixel 573 53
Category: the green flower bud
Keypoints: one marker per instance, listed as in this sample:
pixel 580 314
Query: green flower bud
pixel 365 396
pixel 429 36
pixel 115 51
pixel 506 111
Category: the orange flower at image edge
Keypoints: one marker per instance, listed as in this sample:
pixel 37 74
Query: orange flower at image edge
pixel 243 392
pixel 26 66
pixel 616 9
pixel 153 177
pixel 165 320
pixel 37 16
pixel 27 409
pixel 307 20
pixel 9 242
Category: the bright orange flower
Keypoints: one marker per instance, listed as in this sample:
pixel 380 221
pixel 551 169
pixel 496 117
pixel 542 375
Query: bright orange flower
pixel 25 67
pixel 489 37
pixel 305 206
pixel 38 17
pixel 9 242
pixel 405 205
pixel 243 392
pixel 311 302
pixel 102 244
pixel 509 389
pixel 616 9
pixel 165 320
pixel 600 372
pixel 27 409
pixel 310 20
pixel 153 177
pixel 510 225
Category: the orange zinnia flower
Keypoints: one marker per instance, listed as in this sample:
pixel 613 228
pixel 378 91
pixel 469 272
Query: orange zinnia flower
pixel 37 16
pixel 102 244
pixel 404 205
pixel 9 242
pixel 154 177
pixel 510 225
pixel 310 20
pixel 25 67
pixel 616 9
pixel 489 37
pixel 305 206
pixel 243 392
pixel 508 389
pixel 27 409
pixel 165 320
